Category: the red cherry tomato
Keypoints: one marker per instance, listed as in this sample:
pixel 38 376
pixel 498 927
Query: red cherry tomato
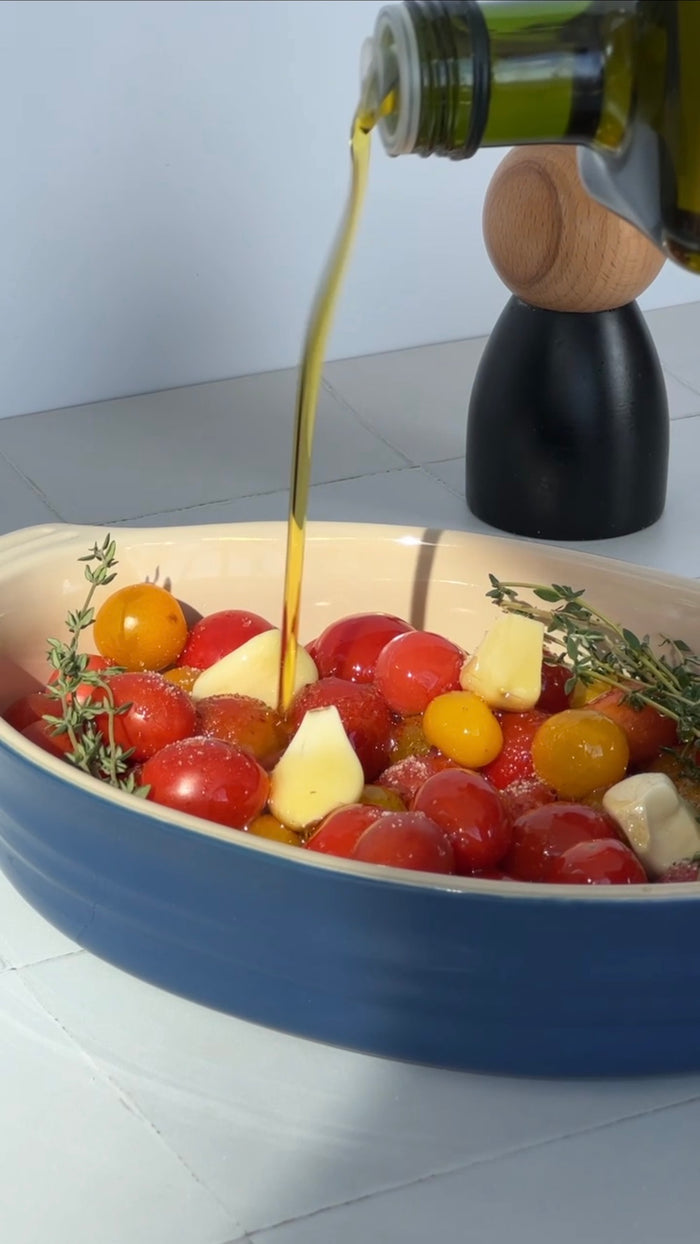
pixel 364 712
pixel 647 731
pixel 514 762
pixel 159 713
pixel 95 663
pixel 553 697
pixel 545 833
pixel 349 648
pixel 208 778
pixel 342 829
pixel 218 634
pixel 470 813
pixel 406 840
pixel 521 797
pixel 41 733
pixel 605 862
pixel 30 708
pixel 415 667
pixel 246 722
pixel 408 775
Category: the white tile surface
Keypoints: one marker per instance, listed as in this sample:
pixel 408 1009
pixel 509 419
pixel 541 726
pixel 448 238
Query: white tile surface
pixel 633 1182
pixel 676 332
pixel 25 937
pixel 277 1127
pixel 416 400
pixel 682 400
pixel 183 447
pixel 78 1164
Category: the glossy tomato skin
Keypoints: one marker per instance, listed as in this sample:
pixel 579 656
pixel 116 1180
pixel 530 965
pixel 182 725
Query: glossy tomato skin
pixel 408 775
pixel 349 648
pixel 365 714
pixel 140 627
pixel 469 811
pixel 214 636
pixel 543 834
pixel 341 830
pixel 553 696
pixel 406 840
pixel 245 722
pixel 95 664
pixel 605 862
pixel 30 708
pixel 647 731
pixel 521 797
pixel 41 733
pixel 514 761
pixel 208 778
pixel 159 713
pixel 415 667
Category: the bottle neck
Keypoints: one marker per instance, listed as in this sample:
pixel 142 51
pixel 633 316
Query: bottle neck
pixel 468 74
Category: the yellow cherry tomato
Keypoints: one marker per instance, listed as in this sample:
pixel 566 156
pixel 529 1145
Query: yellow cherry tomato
pixel 267 826
pixel 583 693
pixel 382 797
pixel 463 727
pixel 184 676
pixel 579 751
pixel 141 627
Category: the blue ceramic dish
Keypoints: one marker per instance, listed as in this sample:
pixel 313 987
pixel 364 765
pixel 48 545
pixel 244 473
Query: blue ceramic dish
pixel 539 980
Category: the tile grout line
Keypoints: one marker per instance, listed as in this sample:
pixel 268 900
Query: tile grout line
pixel 476 1164
pixel 101 1072
pixel 26 479
pixel 364 423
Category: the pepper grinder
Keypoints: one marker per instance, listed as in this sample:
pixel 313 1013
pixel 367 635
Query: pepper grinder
pixel 567 432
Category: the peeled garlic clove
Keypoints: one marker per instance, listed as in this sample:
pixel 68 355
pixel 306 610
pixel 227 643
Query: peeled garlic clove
pixel 658 825
pixel 254 670
pixel 506 668
pixel 318 772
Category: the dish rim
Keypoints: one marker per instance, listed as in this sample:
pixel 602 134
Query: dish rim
pixel 16 544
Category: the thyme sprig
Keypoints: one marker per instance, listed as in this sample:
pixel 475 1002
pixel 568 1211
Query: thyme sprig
pixel 90 750
pixel 598 649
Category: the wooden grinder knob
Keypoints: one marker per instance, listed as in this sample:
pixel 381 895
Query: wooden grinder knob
pixel 553 245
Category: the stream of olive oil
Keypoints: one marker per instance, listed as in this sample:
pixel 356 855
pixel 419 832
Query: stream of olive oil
pixel 309 382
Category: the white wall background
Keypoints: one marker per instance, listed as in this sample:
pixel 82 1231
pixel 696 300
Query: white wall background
pixel 173 174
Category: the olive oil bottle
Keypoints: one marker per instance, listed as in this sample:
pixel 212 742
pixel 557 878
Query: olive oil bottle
pixel 619 78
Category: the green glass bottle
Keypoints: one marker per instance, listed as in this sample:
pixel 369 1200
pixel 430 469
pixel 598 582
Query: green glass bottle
pixel 619 78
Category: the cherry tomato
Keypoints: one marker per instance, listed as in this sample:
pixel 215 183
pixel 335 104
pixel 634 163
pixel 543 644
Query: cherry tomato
pixel 682 870
pixel 605 862
pixel 208 778
pixel 30 708
pixel 41 733
pixel 463 727
pixel 577 751
pixel 514 761
pixel 521 797
pixel 364 712
pixel 408 739
pixel 341 830
pixel 247 722
pixel 553 697
pixel 646 731
pixel 408 775
pixel 267 826
pixel 469 811
pixel 184 676
pixel 218 634
pixel 382 797
pixel 349 648
pixel 141 627
pixel 159 713
pixel 406 840
pixel 84 692
pixel 543 834
pixel 415 667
